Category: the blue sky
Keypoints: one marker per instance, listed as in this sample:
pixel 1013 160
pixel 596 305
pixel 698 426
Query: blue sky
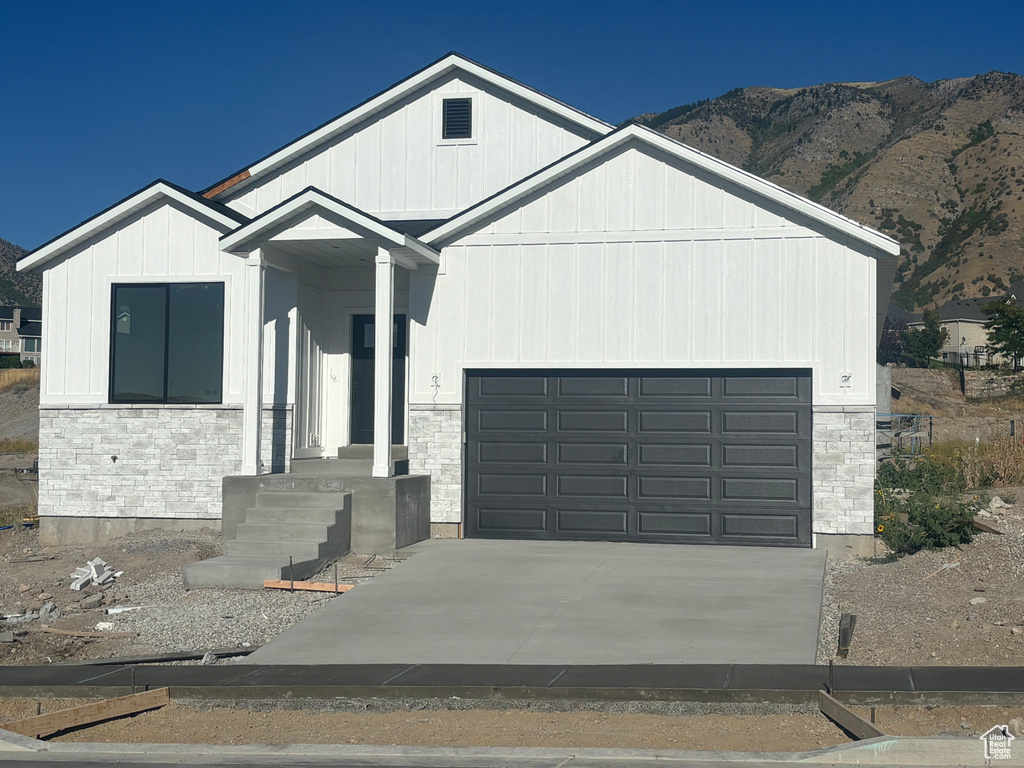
pixel 100 98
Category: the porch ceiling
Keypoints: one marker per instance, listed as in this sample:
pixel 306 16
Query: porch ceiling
pixel 331 252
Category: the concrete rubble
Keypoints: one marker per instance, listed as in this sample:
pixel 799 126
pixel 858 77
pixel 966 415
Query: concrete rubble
pixel 96 571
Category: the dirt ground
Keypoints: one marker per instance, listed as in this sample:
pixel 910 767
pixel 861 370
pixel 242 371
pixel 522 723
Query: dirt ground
pixel 601 726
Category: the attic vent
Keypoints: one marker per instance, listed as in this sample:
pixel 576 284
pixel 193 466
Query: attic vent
pixel 458 119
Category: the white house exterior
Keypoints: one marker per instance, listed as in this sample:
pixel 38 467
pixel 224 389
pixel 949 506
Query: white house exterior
pixel 598 332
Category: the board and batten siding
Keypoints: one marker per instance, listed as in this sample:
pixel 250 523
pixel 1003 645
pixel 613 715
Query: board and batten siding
pixel 636 262
pixel 396 165
pixel 162 243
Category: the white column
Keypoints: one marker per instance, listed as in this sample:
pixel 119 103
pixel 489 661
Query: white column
pixel 252 405
pixel 383 323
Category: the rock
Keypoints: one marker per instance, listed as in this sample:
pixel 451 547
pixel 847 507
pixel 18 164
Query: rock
pixel 1016 631
pixel 23 632
pixel 49 612
pixel 24 588
pixel 983 513
pixel 955 625
pixel 6 637
pixel 996 503
pixel 209 658
pixel 1016 727
pixel 44 596
pixel 90 602
pixel 977 600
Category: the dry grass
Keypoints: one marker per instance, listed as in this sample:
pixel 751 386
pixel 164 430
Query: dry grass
pixel 18 445
pixel 12 377
pixel 994 464
pixel 15 515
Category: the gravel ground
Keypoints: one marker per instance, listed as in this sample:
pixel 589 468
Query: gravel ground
pixel 19 413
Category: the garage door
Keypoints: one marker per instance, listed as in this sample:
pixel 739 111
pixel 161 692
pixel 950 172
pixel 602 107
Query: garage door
pixel 688 457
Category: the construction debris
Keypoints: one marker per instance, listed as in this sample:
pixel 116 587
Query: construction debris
pixel 306 586
pixel 96 571
pixel 75 633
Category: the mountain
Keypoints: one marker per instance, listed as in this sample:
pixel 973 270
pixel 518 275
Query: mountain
pixel 18 289
pixel 938 166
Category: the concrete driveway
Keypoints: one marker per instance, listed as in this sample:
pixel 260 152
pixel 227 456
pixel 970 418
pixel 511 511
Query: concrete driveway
pixel 517 602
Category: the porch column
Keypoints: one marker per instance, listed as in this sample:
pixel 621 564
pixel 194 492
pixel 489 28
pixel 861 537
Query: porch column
pixel 252 404
pixel 383 341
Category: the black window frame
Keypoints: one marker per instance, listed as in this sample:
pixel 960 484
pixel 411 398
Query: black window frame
pixel 167 310
pixel 445 134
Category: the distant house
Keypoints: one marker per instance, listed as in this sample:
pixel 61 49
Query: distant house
pixel 965 320
pixel 577 331
pixel 21 331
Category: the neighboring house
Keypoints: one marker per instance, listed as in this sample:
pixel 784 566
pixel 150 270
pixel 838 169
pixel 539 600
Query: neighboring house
pixel 21 333
pixel 578 331
pixel 964 320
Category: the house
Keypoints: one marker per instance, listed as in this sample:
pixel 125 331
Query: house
pixel 967 340
pixel 21 333
pixel 577 331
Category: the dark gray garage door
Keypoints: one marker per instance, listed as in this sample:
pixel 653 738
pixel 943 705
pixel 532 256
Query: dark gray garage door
pixel 689 457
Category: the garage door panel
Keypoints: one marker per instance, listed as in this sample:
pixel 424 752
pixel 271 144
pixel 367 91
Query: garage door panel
pixel 688 488
pixel 659 523
pixel 674 454
pixel 496 452
pixel 512 420
pixel 593 453
pixel 657 456
pixel 519 484
pixel 760 422
pixel 592 386
pixel 580 521
pixel 762 387
pixel 593 421
pixel 592 486
pixel 505 387
pixel 496 520
pixel 696 387
pixel 743 456
pixel 759 526
pixel 688 422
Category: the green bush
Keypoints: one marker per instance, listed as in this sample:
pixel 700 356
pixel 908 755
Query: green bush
pixel 10 361
pixel 917 505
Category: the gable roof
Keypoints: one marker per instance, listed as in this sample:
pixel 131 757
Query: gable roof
pixel 217 212
pixel 632 132
pixel 448 63
pixel 311 200
pixel 32 328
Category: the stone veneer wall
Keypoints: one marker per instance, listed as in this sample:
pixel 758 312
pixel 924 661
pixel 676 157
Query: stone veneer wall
pixel 843 473
pixel 435 449
pixel 170 462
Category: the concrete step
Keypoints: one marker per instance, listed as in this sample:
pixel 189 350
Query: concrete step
pixel 276 531
pixel 398 452
pixel 298 549
pixel 244 572
pixel 295 499
pixel 286 516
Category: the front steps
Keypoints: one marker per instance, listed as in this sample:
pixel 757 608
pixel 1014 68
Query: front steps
pixel 284 534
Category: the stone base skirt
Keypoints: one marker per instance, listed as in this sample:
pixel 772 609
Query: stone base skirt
pixel 152 462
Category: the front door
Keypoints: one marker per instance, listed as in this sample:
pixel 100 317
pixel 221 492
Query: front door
pixel 362 380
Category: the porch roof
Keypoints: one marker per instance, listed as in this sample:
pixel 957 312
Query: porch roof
pixel 315 225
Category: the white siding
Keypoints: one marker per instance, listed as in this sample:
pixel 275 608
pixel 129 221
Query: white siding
pixel 160 244
pixel 666 269
pixel 395 165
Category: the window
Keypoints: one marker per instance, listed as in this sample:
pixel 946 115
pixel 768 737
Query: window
pixel 457 119
pixel 33 345
pixel 6 325
pixel 7 345
pixel 167 343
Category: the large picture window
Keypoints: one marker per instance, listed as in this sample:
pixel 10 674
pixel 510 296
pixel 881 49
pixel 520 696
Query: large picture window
pixel 167 343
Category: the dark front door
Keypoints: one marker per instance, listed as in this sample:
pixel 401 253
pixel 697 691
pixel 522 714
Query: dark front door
pixel 710 456
pixel 362 380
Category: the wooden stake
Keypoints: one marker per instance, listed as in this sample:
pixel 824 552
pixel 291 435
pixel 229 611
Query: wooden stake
pixel 846 718
pixel 88 714
pixel 306 586
pixel 76 633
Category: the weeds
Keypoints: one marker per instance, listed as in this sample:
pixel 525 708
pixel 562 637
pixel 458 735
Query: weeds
pixel 13 377
pixel 18 445
pixel 15 515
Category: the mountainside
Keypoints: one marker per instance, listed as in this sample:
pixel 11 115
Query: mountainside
pixel 17 288
pixel 939 166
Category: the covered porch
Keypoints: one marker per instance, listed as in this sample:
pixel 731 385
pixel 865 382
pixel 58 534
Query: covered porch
pixel 326 312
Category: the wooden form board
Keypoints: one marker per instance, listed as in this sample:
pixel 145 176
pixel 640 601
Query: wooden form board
pixel 847 719
pixel 305 586
pixel 87 714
